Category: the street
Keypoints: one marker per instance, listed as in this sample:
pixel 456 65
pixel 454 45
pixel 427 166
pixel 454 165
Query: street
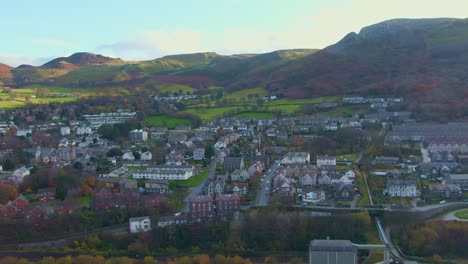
pixel 263 193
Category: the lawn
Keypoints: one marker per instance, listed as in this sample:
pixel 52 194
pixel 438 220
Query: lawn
pixel 194 180
pixel 167 121
pixel 348 157
pixel 463 214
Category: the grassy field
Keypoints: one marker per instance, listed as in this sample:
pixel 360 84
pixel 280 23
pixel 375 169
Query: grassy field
pixel 462 214
pixel 167 121
pixel 194 180
pixel 175 88
pixel 247 93
pixel 237 108
pixel 254 115
pixel 361 184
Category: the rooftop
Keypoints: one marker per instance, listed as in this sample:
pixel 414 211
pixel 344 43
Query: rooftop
pixel 331 245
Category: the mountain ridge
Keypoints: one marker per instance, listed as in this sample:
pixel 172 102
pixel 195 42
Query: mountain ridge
pixel 394 57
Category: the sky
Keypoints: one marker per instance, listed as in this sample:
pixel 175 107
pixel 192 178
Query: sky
pixel 35 32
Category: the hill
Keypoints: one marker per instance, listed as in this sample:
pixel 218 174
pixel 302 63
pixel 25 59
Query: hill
pixel 424 58
pixel 77 60
pixel 5 71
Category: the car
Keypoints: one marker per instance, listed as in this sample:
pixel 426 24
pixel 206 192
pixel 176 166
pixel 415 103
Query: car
pixel 443 201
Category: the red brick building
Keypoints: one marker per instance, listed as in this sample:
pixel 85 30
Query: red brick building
pixel 227 205
pixel 201 208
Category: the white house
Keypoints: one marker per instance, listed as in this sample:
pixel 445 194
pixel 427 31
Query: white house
pixel 64 131
pixel 296 157
pixel 325 160
pixel 314 197
pixel 128 156
pixel 165 172
pixel 350 174
pixel 146 156
pixel 140 224
pixel 401 188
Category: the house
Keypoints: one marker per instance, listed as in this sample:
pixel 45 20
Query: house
pixel 201 208
pixel 445 191
pixel 38 211
pixel 199 154
pixel 64 131
pixel 128 156
pixel 255 168
pixel 332 252
pixel 165 172
pixel 227 205
pixel 157 186
pixel 146 156
pixel 103 192
pixel 401 188
pixel 138 135
pixel 175 157
pixel 313 196
pixel 285 189
pixel 20 202
pixel 176 219
pixel 177 136
pixel 351 175
pixel 8 210
pixel 151 200
pixel 20 173
pixel 386 160
pixel 65 207
pixel 239 176
pixel 309 179
pixel 460 179
pixel 296 157
pixel 325 160
pixel 233 163
pixel 344 192
pixel 240 188
pixel 46 194
pixel 139 224
pixel 324 180
pixel 159 133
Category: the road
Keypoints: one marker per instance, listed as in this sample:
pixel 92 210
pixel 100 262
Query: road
pixel 199 188
pixel 451 216
pixel 263 193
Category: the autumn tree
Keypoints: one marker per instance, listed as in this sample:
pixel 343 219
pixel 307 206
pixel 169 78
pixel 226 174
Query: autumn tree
pixel 7 192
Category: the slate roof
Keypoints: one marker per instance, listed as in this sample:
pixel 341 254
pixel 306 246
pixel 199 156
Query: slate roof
pixel 331 245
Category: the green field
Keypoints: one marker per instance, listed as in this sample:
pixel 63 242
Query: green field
pixel 254 115
pixel 246 93
pixel 463 214
pixel 175 88
pixel 167 121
